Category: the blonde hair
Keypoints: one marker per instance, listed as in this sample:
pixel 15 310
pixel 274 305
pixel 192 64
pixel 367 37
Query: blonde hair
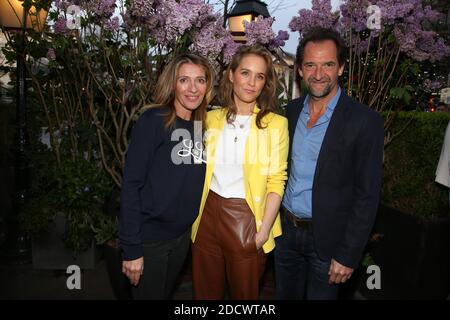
pixel 266 100
pixel 166 85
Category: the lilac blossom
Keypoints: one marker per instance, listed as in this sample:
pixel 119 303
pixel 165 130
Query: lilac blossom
pixel 62 4
pixel 51 54
pixel 259 31
pixel 431 86
pixel 354 15
pixel 210 39
pixel 112 24
pixel 319 16
pixel 60 26
pixel 177 17
pixel 139 8
pixel 141 14
pixel 230 48
pixel 279 40
pixel 404 18
pixel 101 8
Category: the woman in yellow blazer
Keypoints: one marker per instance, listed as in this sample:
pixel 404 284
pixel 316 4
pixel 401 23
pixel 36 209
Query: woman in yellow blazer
pixel 247 148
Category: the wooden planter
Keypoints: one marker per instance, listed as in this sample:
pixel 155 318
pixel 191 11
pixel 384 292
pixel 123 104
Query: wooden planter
pixel 49 251
pixel 413 255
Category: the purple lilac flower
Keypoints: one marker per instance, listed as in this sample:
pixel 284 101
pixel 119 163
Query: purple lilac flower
pixel 259 31
pixel 141 13
pixel 51 54
pixel 430 86
pixel 60 26
pixel 210 39
pixel 230 48
pixel 354 14
pixel 405 18
pixel 279 40
pixel 102 8
pixel 177 17
pixel 319 16
pixel 113 24
pixel 62 4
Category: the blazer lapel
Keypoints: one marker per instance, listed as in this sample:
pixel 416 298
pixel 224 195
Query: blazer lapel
pixel 333 133
pixel 293 115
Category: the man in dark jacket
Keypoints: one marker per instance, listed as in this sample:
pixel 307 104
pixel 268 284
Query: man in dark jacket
pixel 335 168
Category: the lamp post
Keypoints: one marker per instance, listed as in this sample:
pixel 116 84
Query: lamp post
pixel 245 10
pixel 16 16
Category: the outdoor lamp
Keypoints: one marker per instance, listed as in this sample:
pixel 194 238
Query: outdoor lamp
pixel 13 15
pixel 14 18
pixel 245 10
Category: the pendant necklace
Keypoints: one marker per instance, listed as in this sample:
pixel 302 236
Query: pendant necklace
pixel 241 126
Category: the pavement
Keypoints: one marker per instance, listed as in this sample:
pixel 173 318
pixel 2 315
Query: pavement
pixel 24 282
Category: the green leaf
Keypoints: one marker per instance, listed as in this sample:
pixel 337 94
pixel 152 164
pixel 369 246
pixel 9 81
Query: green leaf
pixel 406 97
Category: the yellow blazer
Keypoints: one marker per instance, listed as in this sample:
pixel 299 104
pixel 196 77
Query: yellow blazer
pixel 265 164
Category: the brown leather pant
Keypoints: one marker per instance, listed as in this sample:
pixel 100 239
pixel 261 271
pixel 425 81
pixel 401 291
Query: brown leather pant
pixel 225 249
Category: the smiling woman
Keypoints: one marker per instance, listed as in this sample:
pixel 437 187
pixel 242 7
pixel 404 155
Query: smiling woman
pixel 161 193
pixel 244 183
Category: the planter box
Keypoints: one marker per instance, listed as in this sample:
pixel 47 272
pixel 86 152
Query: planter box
pixel 413 255
pixel 49 251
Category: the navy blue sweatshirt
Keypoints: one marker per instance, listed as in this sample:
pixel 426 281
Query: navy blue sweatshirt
pixel 161 190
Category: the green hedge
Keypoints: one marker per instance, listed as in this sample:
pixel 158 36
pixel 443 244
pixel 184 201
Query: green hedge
pixel 410 165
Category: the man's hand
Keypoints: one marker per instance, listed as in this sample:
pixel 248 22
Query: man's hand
pixel 133 269
pixel 339 273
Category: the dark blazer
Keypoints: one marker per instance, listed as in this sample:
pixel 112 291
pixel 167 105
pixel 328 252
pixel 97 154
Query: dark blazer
pixel 347 179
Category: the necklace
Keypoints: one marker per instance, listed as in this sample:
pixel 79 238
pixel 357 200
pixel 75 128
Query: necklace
pixel 241 126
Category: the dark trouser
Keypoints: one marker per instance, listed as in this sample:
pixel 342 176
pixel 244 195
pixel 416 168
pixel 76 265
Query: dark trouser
pixel 163 261
pixel 299 272
pixel 225 249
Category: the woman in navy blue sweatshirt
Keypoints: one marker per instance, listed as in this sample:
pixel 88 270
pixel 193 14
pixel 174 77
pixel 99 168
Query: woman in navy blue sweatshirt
pixel 163 178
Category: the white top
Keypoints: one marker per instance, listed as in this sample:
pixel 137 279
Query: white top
pixel 443 168
pixel 228 176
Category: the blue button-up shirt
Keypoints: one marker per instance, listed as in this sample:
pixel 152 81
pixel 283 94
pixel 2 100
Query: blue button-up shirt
pixel 305 151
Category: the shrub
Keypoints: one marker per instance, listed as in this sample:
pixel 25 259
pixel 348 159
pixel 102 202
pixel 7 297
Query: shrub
pixel 410 165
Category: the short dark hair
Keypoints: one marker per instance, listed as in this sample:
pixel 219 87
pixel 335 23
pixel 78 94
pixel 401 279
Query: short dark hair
pixel 319 34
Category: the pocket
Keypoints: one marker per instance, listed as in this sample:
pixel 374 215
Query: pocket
pixel 250 244
pixel 237 227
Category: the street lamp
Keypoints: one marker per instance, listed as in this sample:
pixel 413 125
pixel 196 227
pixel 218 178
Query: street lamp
pixel 17 16
pixel 13 14
pixel 245 10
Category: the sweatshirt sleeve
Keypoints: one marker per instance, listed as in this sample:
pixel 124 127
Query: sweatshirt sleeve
pixel 144 141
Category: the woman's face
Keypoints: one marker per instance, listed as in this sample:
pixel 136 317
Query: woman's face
pixel 248 79
pixel 190 89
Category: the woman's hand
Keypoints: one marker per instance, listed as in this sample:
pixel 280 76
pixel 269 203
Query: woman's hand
pixel 261 238
pixel 133 269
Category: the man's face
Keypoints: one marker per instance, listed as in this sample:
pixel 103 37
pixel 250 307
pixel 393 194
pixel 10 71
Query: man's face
pixel 320 69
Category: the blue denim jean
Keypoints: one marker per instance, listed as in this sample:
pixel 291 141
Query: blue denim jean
pixel 299 272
